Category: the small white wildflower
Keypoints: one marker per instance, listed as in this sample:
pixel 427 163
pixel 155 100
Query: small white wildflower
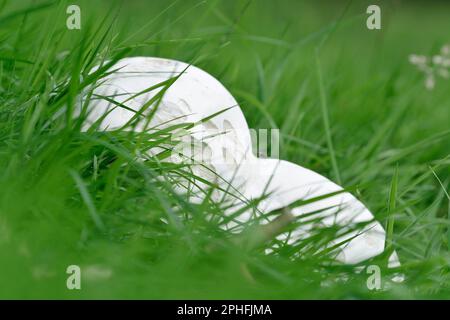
pixel 433 67
pixel 438 60
pixel 429 82
pixel 417 59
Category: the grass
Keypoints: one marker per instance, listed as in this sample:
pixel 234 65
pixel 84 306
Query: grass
pixel 342 96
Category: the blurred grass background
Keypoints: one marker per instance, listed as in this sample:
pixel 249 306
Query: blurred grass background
pixel 266 53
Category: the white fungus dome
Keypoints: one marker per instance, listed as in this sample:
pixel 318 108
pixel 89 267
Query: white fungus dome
pixel 196 95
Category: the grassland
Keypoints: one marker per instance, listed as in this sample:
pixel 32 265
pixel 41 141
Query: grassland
pixel 68 197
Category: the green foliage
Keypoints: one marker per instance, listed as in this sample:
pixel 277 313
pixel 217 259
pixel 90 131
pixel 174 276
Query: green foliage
pixel 345 99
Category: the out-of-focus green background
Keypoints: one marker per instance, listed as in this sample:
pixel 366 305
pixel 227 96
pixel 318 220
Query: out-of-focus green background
pixel 268 54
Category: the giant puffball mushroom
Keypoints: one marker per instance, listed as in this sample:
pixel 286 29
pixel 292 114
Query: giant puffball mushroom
pixel 196 95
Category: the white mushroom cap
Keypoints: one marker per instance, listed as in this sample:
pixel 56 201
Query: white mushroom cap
pixel 196 95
